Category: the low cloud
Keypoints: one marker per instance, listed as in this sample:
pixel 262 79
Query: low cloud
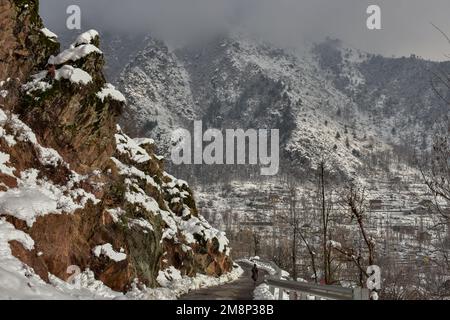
pixel 406 23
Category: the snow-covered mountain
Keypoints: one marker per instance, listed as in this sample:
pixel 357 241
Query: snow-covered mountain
pixel 158 90
pixel 316 98
pixel 403 98
pixel 364 114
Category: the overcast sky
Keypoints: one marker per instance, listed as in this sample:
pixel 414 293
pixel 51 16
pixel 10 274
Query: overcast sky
pixel 406 23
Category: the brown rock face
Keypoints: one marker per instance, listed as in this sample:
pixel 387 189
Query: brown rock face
pixel 31 258
pixel 73 120
pixel 68 239
pixel 133 205
pixel 23 47
pixel 76 123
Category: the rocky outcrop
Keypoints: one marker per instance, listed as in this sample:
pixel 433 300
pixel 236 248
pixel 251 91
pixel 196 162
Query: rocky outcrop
pixel 24 47
pixel 86 193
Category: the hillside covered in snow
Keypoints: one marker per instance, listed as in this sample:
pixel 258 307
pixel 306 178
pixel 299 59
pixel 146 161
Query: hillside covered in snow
pixel 328 100
pixel 368 118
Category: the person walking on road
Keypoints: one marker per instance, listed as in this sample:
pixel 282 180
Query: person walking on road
pixel 255 272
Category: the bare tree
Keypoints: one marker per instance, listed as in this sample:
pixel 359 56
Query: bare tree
pixel 295 219
pixel 354 203
pixel 256 242
pixel 436 172
pixel 295 224
pixel 326 205
pixel 310 249
pixel 292 220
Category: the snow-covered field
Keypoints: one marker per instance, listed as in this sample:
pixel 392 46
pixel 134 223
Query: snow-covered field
pixel 398 216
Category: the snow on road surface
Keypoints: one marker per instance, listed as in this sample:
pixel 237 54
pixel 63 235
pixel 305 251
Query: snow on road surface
pixel 240 289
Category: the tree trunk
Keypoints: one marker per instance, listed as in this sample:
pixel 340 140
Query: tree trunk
pixel 326 270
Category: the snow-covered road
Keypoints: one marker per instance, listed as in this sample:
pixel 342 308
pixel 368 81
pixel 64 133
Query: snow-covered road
pixel 241 289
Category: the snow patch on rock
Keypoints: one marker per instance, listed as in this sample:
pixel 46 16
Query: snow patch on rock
pixel 74 54
pixel 19 282
pixel 85 38
pixel 4 158
pixel 26 204
pixel 74 75
pixel 46 32
pixel 33 196
pixel 107 250
pixel 37 83
pixel 109 91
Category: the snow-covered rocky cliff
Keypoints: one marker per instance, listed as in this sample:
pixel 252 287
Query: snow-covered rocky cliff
pixel 76 192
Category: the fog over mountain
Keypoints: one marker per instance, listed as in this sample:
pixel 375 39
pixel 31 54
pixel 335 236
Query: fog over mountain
pixel 406 24
pixel 131 157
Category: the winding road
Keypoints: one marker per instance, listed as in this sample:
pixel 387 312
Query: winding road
pixel 241 289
